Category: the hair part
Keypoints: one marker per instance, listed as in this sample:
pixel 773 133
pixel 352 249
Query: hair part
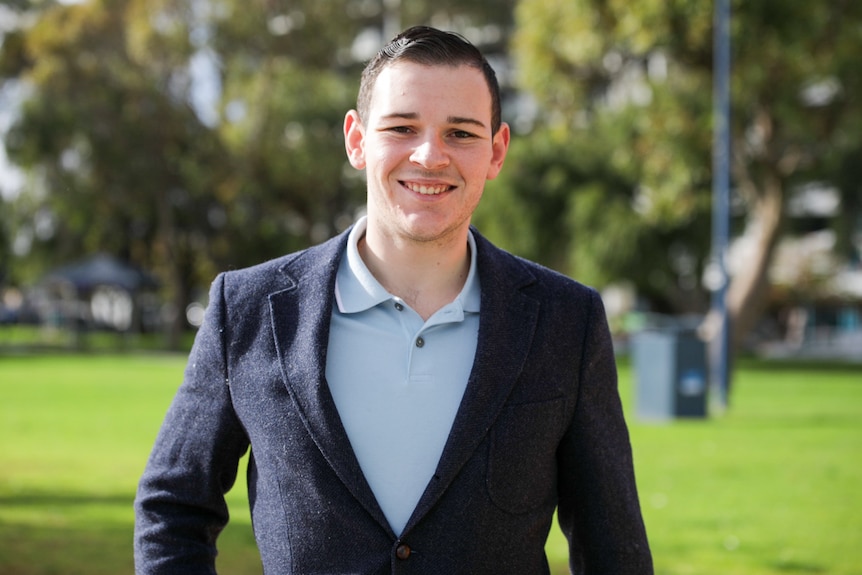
pixel 429 47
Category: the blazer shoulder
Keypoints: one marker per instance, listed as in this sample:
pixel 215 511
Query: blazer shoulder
pixel 534 278
pixel 286 271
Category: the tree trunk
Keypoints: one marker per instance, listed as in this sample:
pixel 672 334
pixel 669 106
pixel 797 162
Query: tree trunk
pixel 748 291
pixel 169 243
pixel 749 285
pixel 179 300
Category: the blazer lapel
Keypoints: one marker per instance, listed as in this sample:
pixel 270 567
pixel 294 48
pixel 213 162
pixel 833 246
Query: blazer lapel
pixel 300 321
pixel 301 318
pixel 506 327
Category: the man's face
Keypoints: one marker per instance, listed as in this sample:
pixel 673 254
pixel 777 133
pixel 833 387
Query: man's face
pixel 428 150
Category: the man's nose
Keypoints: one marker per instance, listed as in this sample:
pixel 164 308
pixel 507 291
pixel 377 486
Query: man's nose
pixel 430 153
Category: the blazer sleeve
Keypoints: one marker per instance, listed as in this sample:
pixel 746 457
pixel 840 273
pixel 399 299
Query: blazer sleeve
pixel 598 507
pixel 180 507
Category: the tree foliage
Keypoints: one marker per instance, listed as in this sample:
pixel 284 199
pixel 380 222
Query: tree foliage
pixel 191 136
pixel 118 161
pixel 636 81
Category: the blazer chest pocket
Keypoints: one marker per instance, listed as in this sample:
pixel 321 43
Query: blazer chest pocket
pixel 522 467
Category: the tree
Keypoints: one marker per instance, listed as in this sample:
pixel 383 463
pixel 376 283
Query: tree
pixel 193 136
pixel 561 201
pixel 118 160
pixel 648 68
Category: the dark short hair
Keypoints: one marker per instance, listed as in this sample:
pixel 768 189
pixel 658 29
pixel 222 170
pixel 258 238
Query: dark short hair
pixel 430 47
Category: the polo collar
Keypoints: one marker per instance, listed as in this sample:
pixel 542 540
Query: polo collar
pixel 357 290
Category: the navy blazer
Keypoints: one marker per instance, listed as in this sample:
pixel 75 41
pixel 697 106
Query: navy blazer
pixel 540 428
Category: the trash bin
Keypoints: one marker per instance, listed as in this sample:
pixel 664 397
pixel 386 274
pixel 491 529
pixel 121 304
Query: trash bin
pixel 670 373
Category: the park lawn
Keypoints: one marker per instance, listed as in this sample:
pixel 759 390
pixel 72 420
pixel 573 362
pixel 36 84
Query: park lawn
pixel 77 431
pixel 770 487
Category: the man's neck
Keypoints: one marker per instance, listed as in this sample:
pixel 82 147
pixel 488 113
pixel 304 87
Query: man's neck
pixel 426 275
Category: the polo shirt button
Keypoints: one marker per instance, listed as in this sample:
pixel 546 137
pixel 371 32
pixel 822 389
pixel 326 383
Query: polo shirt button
pixel 403 551
pixel 399 306
pixel 420 342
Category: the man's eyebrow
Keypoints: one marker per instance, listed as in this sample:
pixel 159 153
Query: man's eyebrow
pixel 461 120
pixel 450 119
pixel 400 116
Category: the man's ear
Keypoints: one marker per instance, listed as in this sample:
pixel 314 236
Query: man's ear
pixel 500 145
pixel 354 139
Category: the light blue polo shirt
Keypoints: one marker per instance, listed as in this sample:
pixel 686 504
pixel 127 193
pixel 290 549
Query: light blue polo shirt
pixel 398 380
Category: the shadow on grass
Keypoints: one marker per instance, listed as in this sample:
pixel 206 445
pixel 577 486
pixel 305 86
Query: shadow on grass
pixel 59 500
pixel 91 534
pixel 852 365
pixel 807 422
pixel 798 567
pixel 81 549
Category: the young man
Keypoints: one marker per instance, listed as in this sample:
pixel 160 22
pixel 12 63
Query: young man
pixel 415 399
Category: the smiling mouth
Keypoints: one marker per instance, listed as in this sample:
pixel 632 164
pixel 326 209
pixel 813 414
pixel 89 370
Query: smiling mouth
pixel 426 189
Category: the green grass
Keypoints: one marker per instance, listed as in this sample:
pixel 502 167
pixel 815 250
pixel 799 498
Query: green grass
pixel 771 487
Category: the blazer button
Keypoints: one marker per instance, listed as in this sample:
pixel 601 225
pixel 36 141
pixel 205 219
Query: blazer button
pixel 403 551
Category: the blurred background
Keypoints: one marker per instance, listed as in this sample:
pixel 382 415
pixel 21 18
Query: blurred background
pixel 149 144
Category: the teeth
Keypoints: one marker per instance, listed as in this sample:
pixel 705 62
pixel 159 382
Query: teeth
pixel 426 190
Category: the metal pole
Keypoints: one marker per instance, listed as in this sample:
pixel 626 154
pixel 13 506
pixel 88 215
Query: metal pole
pixel 721 195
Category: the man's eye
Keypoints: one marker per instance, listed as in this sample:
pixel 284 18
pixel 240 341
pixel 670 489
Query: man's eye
pixel 461 134
pixel 399 129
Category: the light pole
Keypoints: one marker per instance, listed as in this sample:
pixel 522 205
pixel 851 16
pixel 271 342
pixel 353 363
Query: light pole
pixel 720 371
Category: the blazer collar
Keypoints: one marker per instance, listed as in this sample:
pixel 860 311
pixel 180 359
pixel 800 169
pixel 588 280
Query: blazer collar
pixel 300 321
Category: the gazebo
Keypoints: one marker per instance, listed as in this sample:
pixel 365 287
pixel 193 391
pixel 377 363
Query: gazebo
pixel 99 291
